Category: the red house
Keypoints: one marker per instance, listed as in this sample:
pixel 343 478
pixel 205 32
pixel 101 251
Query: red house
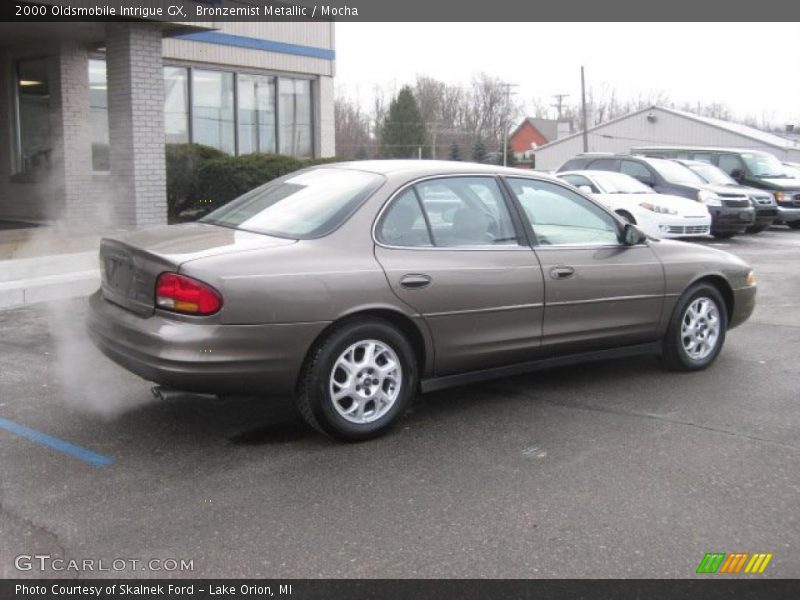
pixel 530 134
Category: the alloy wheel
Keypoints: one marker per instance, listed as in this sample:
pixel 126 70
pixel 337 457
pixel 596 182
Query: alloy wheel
pixel 365 381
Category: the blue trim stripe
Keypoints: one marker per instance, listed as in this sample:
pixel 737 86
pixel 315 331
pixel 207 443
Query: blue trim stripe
pixel 240 41
pixel 98 460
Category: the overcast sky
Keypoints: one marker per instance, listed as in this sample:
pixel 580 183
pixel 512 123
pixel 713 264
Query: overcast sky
pixel 754 68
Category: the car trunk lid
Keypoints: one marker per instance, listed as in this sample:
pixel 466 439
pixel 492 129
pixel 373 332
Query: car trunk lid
pixel 131 263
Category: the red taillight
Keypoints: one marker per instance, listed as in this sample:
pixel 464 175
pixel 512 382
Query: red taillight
pixel 186 295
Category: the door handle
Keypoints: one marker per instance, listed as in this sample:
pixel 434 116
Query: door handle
pixel 415 280
pixel 561 272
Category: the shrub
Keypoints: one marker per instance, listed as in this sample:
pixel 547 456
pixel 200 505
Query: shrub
pixel 200 178
pixel 183 164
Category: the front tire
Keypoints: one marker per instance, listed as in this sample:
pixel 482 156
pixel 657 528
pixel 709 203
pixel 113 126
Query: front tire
pixel 794 225
pixel 358 380
pixel 756 228
pixel 696 332
pixel 723 235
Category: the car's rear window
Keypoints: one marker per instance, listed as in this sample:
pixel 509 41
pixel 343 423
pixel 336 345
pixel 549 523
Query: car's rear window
pixel 301 205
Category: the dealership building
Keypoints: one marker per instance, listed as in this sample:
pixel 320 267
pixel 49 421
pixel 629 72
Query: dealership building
pixel 87 108
pixel 662 126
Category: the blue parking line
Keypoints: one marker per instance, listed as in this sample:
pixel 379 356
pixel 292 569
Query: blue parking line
pixel 98 460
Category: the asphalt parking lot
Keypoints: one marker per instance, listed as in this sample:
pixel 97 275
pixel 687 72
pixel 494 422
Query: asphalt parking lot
pixel 615 469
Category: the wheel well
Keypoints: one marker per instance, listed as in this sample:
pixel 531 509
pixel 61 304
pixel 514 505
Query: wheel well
pixel 723 287
pixel 406 326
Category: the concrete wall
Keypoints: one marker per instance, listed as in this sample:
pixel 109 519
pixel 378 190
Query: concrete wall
pixel 637 130
pixel 315 35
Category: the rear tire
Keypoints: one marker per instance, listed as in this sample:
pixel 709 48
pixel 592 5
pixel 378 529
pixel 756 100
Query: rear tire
pixel 696 331
pixel 794 225
pixel 358 381
pixel 756 228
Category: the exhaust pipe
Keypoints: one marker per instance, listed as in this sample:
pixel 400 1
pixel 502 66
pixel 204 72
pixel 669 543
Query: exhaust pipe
pixel 167 394
pixel 162 393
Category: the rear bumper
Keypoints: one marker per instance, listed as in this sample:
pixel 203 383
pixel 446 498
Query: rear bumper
pixel 744 302
pixel 726 219
pixel 203 358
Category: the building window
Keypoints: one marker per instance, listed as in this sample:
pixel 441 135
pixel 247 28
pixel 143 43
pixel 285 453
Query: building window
pixel 256 101
pixel 212 109
pixel 176 105
pixel 34 145
pixel 238 113
pixel 98 114
pixel 294 111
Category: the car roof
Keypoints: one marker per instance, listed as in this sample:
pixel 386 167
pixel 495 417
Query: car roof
pixel 688 162
pixel 591 173
pixel 701 149
pixel 424 167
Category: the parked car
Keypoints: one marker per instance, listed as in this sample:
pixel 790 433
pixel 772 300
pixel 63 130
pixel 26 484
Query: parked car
pixel 658 215
pixel 763 202
pixel 751 168
pixel 731 211
pixel 346 286
pixel 792 170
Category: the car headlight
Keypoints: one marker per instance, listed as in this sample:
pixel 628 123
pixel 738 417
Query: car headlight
pixel 750 279
pixel 785 196
pixel 709 198
pixel 659 208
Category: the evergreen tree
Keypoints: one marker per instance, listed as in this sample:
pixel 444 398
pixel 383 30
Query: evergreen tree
pixel 479 151
pixel 455 152
pixel 404 129
pixel 511 159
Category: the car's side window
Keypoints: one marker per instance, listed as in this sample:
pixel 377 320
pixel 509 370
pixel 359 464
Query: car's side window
pixel 404 224
pixel 730 163
pixel 636 170
pixel 561 217
pixel 580 180
pixel 466 211
pixel 701 156
pixel 605 164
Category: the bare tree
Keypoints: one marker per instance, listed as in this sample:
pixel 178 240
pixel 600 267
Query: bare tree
pixel 351 127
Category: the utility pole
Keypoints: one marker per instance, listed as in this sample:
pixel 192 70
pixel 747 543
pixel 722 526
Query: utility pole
pixel 559 105
pixel 583 110
pixel 508 87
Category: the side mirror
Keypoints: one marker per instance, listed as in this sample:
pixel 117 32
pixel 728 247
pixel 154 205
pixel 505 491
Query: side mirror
pixel 646 180
pixel 585 189
pixel 737 174
pixel 632 235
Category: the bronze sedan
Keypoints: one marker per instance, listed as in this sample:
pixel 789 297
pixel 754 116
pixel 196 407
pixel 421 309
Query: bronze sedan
pixel 354 286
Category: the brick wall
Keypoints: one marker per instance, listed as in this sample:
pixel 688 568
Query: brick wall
pixel 72 147
pixel 136 123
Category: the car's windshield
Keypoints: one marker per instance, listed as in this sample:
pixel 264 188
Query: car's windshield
pixel 619 183
pixel 712 174
pixel 763 165
pixel 304 204
pixel 674 172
